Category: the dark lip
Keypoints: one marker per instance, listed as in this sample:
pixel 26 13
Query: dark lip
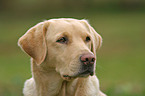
pixel 84 73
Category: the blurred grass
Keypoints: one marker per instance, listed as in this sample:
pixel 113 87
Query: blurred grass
pixel 121 63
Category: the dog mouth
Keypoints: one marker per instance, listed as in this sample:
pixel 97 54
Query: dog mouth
pixel 84 73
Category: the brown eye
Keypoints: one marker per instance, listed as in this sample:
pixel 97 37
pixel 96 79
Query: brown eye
pixel 88 39
pixel 62 40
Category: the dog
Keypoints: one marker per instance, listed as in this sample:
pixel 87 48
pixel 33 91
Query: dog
pixel 63 58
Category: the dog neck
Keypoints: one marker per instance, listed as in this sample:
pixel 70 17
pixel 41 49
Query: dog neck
pixel 49 82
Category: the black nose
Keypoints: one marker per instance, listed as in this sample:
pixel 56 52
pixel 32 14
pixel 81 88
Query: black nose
pixel 88 59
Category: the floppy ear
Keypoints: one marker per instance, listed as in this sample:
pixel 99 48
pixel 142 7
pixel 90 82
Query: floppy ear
pixel 33 42
pixel 97 39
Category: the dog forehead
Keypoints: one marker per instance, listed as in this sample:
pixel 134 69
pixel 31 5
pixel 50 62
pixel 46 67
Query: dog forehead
pixel 67 25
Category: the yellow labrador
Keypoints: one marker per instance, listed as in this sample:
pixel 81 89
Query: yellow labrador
pixel 63 58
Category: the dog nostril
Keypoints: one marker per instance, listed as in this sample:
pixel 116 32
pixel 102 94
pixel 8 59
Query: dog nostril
pixel 93 59
pixel 87 59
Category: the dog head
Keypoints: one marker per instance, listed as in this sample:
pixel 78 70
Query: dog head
pixel 67 45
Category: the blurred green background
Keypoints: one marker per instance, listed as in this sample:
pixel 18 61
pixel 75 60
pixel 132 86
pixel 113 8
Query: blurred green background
pixel 121 60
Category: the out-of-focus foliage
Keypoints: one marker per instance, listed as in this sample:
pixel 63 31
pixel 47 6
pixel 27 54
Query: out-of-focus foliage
pixel 67 5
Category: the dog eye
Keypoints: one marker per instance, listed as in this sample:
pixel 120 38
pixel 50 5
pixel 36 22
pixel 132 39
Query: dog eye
pixel 88 39
pixel 62 40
